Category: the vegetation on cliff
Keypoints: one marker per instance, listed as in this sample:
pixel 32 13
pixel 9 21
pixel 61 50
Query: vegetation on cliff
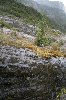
pixel 30 15
pixel 24 43
pixel 26 13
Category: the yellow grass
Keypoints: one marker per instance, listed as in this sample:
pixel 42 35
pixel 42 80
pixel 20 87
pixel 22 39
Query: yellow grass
pixel 23 43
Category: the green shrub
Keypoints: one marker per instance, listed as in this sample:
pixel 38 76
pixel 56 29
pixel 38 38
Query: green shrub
pixel 41 37
pixel 61 43
pixel 4 24
pixel 45 41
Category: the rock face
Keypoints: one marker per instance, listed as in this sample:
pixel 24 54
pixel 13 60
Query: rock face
pixel 19 25
pixel 7 31
pixel 11 55
pixel 25 76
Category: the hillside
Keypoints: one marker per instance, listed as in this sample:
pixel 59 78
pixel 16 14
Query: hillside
pixel 32 54
pixel 42 27
pixel 26 13
pixel 30 15
pixel 55 10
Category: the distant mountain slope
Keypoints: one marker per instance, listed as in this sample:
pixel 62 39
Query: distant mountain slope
pixel 27 14
pixel 31 15
pixel 53 9
pixel 53 4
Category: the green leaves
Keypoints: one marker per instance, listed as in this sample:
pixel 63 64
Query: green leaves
pixel 42 39
pixel 19 10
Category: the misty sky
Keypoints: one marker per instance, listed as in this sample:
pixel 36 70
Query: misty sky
pixel 64 1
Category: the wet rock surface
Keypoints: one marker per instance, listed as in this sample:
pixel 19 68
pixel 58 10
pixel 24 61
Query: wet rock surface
pixel 25 76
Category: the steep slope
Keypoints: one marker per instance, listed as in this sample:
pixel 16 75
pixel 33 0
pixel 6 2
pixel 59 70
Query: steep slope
pixel 53 9
pixel 26 13
pixel 25 74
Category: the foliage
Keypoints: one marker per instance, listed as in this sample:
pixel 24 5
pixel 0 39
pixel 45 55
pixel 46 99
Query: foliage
pixel 21 42
pixel 44 41
pixel 14 34
pixel 27 13
pixel 61 42
pixel 61 93
pixel 57 26
pixel 4 24
pixel 41 37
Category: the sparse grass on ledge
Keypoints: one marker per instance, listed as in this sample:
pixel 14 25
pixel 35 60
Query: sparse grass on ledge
pixel 20 42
